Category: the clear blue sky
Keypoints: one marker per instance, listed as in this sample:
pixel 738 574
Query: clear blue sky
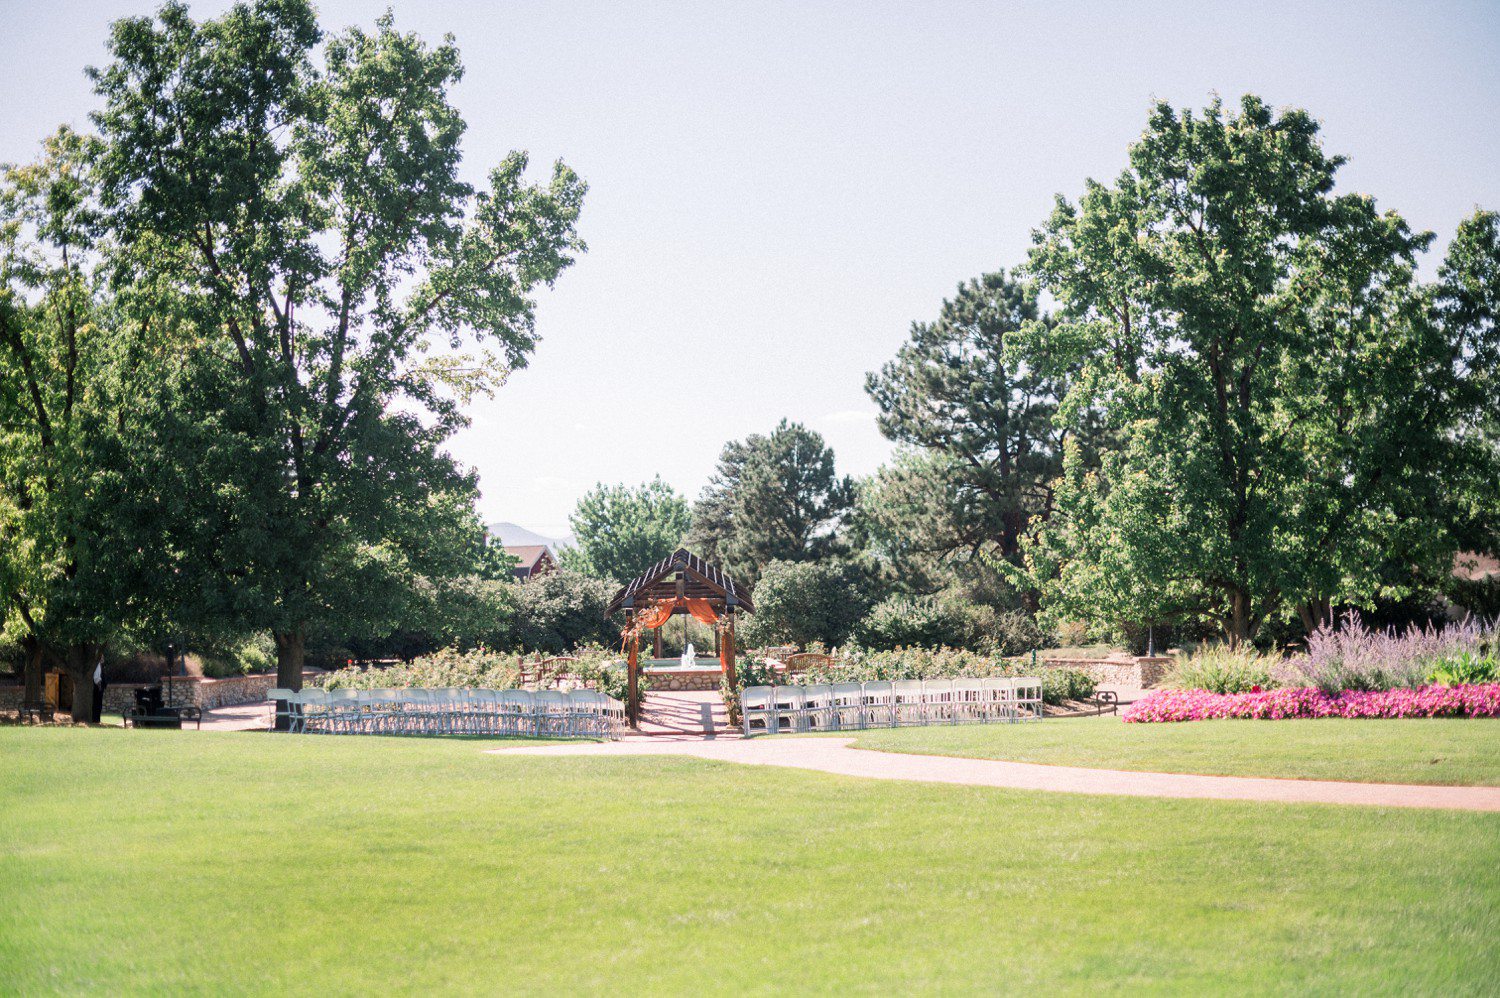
pixel 778 190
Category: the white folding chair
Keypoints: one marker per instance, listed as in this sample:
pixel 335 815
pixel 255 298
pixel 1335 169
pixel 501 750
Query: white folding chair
pixel 787 702
pixel 483 706
pixel 1029 697
pixel 614 716
pixel 1000 698
pixel 285 704
pixel 817 707
pixel 514 714
pixel 879 704
pixel 849 705
pixel 907 707
pixel 937 700
pixel 341 704
pixel 382 711
pixel 968 701
pixel 315 714
pixel 586 713
pixel 551 709
pixel 757 707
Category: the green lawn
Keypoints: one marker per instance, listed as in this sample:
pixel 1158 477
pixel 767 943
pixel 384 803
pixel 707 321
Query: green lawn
pixel 1450 750
pixel 167 861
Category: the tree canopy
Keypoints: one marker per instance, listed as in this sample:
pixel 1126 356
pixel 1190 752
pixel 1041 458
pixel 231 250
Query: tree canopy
pixel 1260 351
pixel 622 531
pixel 349 291
pixel 774 497
pixel 75 513
pixel 959 390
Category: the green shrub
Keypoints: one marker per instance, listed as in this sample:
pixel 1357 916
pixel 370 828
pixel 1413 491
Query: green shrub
pixel 477 668
pixel 897 621
pixel 1061 685
pixel 562 610
pixel 1464 668
pixel 252 653
pixel 802 602
pixel 1220 669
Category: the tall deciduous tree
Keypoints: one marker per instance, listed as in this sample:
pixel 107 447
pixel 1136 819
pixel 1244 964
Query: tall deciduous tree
pixel 72 398
pixel 621 531
pixel 773 498
pixel 1468 307
pixel 959 390
pixel 1259 348
pixel 351 293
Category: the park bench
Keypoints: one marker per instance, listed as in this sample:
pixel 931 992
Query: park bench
pixel 150 711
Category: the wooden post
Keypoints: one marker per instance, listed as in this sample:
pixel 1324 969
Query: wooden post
pixel 633 695
pixel 729 650
pixel 656 642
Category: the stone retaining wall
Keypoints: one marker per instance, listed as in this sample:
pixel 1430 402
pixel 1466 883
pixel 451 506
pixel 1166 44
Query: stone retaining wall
pixel 1137 672
pixel 677 680
pixel 181 691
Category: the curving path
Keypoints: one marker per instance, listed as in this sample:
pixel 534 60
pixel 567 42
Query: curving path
pixel 834 755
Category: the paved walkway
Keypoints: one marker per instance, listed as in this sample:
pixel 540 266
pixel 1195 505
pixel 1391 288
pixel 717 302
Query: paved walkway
pixel 683 714
pixel 834 755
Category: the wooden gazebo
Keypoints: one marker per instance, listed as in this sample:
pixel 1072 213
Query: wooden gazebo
pixel 680 583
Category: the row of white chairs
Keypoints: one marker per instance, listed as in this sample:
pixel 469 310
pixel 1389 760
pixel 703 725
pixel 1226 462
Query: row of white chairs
pixel 890 704
pixel 456 711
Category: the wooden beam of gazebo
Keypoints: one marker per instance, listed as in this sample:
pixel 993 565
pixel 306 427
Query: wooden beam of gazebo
pixel 674 580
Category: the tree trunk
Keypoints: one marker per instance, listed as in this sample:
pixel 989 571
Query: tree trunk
pixel 33 677
pixel 1237 627
pixel 81 660
pixel 291 648
pixel 1315 613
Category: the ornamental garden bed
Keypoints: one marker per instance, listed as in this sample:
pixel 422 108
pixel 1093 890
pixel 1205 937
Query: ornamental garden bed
pixel 1472 700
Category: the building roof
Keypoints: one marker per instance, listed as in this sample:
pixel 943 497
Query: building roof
pixel 1473 566
pixel 700 580
pixel 528 554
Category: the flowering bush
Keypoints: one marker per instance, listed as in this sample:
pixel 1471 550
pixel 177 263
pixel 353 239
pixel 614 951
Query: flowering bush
pixel 1477 700
pixel 444 669
pixel 1354 657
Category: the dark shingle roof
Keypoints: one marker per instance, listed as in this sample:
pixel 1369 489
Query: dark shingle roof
pixel 700 580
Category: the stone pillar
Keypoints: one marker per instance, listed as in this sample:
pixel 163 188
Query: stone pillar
pixel 1152 668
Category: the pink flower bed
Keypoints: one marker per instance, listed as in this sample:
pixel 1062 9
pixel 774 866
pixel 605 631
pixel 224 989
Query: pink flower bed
pixel 1480 700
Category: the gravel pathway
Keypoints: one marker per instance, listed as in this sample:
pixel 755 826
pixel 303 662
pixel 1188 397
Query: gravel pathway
pixel 834 755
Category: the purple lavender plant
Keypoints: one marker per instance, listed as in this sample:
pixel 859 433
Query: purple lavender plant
pixel 1352 656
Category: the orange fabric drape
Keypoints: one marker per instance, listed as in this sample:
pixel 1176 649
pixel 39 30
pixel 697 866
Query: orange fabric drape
pixel 654 616
pixel 658 614
pixel 701 610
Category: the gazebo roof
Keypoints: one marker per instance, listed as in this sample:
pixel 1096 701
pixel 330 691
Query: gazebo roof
pixel 700 580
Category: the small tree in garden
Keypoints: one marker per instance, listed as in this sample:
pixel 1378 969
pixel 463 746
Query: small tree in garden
pixel 622 531
pixel 984 414
pixel 773 497
pixel 561 610
pixel 349 293
pixel 1257 348
pixel 804 602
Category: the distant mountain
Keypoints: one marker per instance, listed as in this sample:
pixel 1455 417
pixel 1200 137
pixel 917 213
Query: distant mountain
pixel 515 535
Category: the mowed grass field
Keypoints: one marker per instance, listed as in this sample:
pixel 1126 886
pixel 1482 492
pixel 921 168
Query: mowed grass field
pixel 1453 751
pixel 163 861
